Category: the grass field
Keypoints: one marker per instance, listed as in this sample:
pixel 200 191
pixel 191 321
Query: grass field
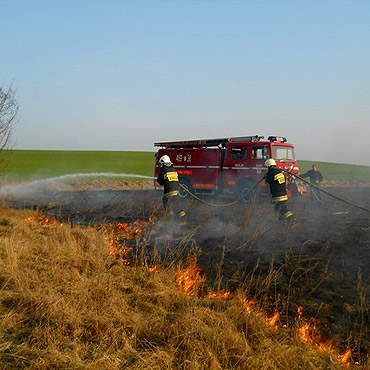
pixel 66 303
pixel 38 164
pixel 339 171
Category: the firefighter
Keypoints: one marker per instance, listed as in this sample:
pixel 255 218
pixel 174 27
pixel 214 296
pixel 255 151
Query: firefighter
pixel 169 178
pixel 316 178
pixel 277 182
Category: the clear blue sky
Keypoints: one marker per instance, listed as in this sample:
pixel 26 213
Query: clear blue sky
pixel 119 75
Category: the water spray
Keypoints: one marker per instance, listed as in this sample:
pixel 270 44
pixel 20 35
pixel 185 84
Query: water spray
pixel 33 185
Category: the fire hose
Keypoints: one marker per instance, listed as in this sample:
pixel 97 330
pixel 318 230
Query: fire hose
pixel 208 203
pixel 215 204
pixel 327 193
pixel 254 187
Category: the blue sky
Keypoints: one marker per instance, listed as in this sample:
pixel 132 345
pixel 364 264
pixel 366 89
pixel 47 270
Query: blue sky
pixel 119 75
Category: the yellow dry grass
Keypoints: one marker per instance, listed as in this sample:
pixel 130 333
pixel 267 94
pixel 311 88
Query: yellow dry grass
pixel 64 304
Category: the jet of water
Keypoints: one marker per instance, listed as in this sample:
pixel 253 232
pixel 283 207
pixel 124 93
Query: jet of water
pixel 39 184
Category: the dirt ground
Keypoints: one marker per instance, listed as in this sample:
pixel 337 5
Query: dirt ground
pixel 320 260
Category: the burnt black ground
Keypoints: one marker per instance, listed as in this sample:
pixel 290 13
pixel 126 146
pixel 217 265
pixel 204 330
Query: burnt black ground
pixel 90 207
pixel 320 260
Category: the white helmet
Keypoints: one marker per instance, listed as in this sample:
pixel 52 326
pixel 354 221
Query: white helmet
pixel 165 160
pixel 270 162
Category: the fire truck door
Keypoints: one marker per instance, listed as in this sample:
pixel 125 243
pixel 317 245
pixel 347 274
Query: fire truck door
pixel 236 165
pixel 259 154
pixel 223 157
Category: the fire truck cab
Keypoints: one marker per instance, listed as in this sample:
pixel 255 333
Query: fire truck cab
pixel 229 166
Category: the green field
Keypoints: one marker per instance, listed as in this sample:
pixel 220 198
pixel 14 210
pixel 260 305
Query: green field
pixel 39 164
pixel 338 171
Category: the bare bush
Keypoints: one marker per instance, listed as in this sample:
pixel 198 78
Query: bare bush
pixel 8 114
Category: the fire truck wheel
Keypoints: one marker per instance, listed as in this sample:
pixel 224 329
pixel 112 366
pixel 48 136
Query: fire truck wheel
pixel 246 191
pixel 182 192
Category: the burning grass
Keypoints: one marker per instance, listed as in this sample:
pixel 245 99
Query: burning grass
pixel 67 303
pixel 190 282
pixel 46 221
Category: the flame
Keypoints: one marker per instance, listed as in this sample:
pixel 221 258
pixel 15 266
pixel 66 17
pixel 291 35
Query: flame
pixel 190 280
pixel 155 268
pixel 123 231
pixel 221 294
pixel 133 230
pixel 304 332
pixel 274 321
pixel 249 304
pixel 300 311
pixel 120 232
pixel 310 332
pixel 327 346
pixel 345 359
pixel 45 221
pixel 119 250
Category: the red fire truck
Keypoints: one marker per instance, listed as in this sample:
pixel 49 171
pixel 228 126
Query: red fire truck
pixel 229 166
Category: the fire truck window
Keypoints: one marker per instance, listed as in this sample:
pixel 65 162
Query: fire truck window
pixel 239 153
pixel 284 153
pixel 261 152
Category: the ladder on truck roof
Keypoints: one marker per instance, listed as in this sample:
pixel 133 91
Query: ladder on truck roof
pixel 207 142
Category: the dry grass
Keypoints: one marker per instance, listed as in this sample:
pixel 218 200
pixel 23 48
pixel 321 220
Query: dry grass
pixel 64 304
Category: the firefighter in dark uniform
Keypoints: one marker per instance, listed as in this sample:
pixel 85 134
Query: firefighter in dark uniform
pixel 316 178
pixel 277 182
pixel 169 178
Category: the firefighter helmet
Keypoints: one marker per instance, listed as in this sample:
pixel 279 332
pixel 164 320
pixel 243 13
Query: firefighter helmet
pixel 165 160
pixel 270 162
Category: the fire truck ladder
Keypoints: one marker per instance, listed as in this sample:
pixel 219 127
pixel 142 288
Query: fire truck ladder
pixel 207 142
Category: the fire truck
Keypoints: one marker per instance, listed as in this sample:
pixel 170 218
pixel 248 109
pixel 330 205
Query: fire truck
pixel 229 166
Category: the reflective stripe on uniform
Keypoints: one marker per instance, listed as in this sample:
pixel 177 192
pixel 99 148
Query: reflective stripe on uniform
pixel 280 178
pixel 282 198
pixel 288 214
pixel 171 176
pixel 171 194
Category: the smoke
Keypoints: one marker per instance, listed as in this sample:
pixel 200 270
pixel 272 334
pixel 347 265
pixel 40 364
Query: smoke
pixel 246 233
pixel 82 206
pixel 316 259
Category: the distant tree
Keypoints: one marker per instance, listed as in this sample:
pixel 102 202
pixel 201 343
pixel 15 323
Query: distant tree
pixel 8 114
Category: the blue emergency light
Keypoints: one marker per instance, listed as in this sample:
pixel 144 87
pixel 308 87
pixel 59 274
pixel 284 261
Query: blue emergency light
pixel 279 139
